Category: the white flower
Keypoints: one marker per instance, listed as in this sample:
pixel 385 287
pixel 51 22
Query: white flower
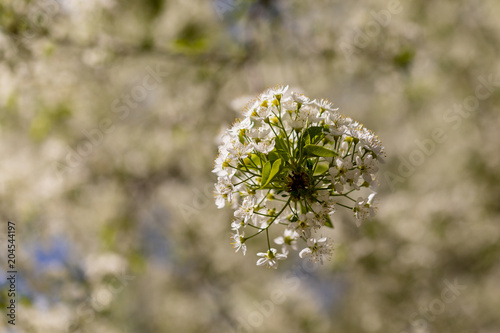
pixel 317 249
pixel 339 125
pixel 339 187
pixel 304 225
pixel 335 131
pixel 319 215
pixel 367 166
pixel 239 150
pixel 224 165
pixel 265 146
pixel 270 258
pixel 245 212
pixel 299 98
pixel 277 91
pixel 309 113
pixel 324 104
pixel 223 191
pixel 239 242
pixel 344 170
pixel 261 110
pixel 288 104
pixel 314 219
pixel 344 146
pixel 297 123
pixel 372 143
pixel 363 209
pixel 259 132
pixel 288 240
pixel 237 224
pixel 244 124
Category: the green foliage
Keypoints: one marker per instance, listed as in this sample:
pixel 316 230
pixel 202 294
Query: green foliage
pixel 266 172
pixel 321 168
pixel 319 151
pixel 47 120
pixel 313 135
pixel 281 148
pixel 329 223
pixel 269 172
pixel 191 39
pixel 404 58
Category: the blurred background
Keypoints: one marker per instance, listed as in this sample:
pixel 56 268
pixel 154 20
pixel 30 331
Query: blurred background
pixel 110 112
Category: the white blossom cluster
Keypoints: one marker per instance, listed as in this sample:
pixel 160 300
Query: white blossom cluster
pixel 290 162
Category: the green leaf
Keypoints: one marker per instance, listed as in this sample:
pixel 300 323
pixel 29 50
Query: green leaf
pixel 315 134
pixel 307 139
pixel 319 151
pixel 254 162
pixel 273 172
pixel 309 164
pixel 273 156
pixel 328 222
pixel 266 171
pixel 241 137
pixel 281 148
pixel 321 168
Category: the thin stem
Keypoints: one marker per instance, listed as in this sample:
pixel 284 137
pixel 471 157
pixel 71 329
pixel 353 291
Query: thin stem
pixel 268 243
pixel 348 197
pixel 271 222
pixel 261 214
pixel 351 208
pixel 315 164
pixel 243 181
pixel 253 173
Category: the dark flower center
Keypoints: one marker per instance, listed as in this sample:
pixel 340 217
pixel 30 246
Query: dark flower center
pixel 299 185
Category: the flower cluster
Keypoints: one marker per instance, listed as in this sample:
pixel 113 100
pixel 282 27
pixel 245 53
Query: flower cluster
pixel 290 163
